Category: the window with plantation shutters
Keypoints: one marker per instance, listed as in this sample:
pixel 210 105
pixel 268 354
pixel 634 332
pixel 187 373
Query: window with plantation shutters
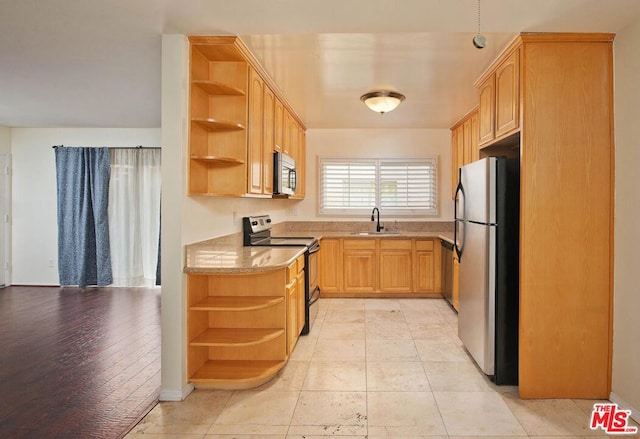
pixel 404 187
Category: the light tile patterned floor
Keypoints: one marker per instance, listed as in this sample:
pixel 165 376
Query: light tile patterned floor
pixel 372 368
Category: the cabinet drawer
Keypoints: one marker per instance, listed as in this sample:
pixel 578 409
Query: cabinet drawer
pixel 395 244
pixel 292 271
pixel 300 263
pixel 359 244
pixel 296 267
pixel 424 244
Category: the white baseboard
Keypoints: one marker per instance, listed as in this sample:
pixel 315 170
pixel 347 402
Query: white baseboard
pixel 635 413
pixel 176 395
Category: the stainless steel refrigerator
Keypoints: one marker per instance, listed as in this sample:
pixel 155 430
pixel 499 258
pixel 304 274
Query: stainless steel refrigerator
pixel 487 243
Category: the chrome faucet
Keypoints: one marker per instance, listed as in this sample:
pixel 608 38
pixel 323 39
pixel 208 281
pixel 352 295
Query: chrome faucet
pixel 379 227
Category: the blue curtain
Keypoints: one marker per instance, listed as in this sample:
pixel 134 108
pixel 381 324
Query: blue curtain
pixel 84 256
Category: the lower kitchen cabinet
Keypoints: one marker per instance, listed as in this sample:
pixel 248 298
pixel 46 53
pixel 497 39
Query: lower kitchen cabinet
pixel 292 315
pixel 380 267
pixel 424 262
pixel 242 327
pixel 427 261
pixel 330 270
pixel 396 269
pixel 295 302
pixel 360 265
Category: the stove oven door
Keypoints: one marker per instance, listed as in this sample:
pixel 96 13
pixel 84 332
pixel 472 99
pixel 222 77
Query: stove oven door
pixel 312 290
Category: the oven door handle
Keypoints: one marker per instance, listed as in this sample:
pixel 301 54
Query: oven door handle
pixel 314 296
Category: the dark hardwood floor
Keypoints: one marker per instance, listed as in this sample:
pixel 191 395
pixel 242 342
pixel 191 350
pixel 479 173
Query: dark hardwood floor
pixel 77 363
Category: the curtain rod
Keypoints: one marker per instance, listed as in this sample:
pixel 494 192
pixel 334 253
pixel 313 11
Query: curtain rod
pixel 117 147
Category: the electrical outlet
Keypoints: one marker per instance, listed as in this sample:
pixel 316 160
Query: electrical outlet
pixel 235 217
pixel 52 263
pixel 293 211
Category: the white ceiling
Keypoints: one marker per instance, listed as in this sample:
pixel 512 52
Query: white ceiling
pixel 70 63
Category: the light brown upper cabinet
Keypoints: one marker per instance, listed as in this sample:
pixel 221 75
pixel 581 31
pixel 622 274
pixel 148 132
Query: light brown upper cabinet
pixel 268 140
pixel 499 100
pixel 487 110
pixel 278 129
pixel 475 150
pixel 256 130
pixel 507 95
pixel 464 145
pixel 238 119
pixel 301 164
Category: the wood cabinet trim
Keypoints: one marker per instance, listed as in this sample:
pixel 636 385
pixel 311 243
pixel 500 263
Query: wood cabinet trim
pixel 567 37
pixel 466 116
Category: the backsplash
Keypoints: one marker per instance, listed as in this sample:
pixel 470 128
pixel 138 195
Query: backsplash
pixel 364 226
pixel 235 239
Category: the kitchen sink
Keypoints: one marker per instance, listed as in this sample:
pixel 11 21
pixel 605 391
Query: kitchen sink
pixel 374 233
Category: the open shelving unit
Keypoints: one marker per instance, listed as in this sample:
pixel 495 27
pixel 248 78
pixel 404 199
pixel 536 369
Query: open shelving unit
pixel 218 107
pixel 236 328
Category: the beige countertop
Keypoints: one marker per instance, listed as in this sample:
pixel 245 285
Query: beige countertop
pixel 208 257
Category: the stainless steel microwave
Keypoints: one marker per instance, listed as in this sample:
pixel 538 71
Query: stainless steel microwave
pixel 284 174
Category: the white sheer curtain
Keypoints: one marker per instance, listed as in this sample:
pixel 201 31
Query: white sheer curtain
pixel 134 216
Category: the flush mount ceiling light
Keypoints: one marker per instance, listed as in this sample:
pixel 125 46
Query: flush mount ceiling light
pixel 382 101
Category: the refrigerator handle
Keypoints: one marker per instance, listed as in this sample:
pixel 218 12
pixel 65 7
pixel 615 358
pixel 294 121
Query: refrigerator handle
pixel 459 190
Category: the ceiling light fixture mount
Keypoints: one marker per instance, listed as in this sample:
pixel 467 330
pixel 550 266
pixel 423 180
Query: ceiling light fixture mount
pixel 382 101
pixel 479 41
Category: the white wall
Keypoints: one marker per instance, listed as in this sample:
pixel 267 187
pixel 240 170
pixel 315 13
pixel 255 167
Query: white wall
pixel 174 123
pixel 5 140
pixel 207 217
pixel 626 328
pixel 35 233
pixel 377 143
pixel 5 239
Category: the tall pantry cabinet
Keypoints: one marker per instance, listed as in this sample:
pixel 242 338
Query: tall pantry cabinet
pixel 559 87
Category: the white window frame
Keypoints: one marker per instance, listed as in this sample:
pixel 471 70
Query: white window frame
pixel 418 212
